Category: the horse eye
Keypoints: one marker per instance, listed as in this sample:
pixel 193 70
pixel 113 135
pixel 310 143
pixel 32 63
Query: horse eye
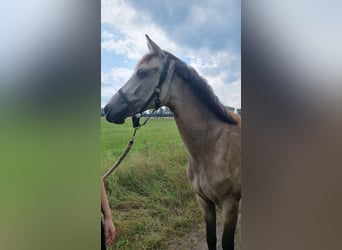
pixel 141 72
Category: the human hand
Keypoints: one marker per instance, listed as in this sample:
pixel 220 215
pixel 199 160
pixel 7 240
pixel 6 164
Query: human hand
pixel 109 231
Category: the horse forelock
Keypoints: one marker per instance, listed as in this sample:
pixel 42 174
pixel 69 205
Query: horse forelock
pixel 203 90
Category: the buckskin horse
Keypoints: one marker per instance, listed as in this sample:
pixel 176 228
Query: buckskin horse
pixel 210 132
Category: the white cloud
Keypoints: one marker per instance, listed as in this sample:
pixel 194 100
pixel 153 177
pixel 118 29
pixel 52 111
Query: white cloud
pixel 106 35
pixel 122 46
pixel 229 94
pixel 131 27
pixel 113 80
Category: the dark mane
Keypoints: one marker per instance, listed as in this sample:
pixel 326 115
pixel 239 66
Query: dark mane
pixel 202 89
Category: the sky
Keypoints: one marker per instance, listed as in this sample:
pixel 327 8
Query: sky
pixel 204 34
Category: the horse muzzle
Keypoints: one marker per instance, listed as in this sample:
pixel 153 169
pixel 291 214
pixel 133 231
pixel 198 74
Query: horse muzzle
pixel 118 116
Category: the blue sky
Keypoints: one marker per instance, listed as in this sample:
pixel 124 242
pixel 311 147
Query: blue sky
pixel 204 34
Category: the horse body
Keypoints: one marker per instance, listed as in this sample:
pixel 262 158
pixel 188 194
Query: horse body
pixel 213 145
pixel 214 159
pixel 210 133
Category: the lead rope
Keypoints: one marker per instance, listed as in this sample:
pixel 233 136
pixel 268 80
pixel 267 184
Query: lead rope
pixel 136 126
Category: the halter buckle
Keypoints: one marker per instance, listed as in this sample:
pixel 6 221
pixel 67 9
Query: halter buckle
pixel 136 120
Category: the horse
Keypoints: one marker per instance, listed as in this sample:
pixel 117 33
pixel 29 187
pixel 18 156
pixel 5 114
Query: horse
pixel 211 133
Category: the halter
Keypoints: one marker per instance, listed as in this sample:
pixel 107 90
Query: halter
pixel 155 95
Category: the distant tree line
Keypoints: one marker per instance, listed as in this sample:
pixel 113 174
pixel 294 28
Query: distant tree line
pixel 166 112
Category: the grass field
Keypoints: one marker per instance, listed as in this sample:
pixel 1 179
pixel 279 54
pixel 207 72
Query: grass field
pixel 152 202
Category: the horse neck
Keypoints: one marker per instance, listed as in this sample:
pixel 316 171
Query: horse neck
pixel 192 116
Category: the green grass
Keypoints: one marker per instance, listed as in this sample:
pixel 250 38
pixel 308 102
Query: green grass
pixel 151 198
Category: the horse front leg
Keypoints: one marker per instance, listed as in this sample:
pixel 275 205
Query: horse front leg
pixel 209 211
pixel 230 211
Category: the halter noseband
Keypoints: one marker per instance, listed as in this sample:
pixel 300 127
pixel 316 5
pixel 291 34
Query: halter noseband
pixel 155 94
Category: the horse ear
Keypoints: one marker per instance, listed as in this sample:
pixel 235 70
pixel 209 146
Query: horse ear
pixel 153 47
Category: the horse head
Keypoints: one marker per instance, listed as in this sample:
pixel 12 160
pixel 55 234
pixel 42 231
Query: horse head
pixel 143 89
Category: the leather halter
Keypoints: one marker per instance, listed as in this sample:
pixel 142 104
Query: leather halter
pixel 155 95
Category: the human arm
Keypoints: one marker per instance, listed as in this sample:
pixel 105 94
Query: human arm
pixel 109 228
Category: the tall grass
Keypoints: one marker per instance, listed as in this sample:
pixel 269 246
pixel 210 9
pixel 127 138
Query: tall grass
pixel 151 199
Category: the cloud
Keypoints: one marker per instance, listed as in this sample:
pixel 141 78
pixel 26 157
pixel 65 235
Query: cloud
pixel 214 24
pixel 229 94
pixel 122 46
pixel 131 27
pixel 213 63
pixel 113 80
pixel 106 35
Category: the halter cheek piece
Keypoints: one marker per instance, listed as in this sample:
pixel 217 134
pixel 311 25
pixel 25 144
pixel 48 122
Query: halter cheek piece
pixel 155 95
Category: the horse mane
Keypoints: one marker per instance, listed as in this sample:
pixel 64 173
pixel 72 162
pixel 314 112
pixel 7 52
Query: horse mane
pixel 203 90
